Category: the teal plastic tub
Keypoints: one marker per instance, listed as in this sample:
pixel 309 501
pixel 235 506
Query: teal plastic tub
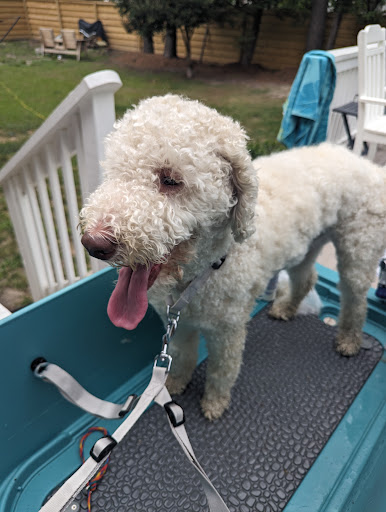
pixel 40 431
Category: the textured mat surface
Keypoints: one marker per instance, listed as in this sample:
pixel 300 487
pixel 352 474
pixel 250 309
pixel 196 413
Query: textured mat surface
pixel 291 394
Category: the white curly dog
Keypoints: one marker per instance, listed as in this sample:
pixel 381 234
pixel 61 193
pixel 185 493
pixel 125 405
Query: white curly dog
pixel 180 193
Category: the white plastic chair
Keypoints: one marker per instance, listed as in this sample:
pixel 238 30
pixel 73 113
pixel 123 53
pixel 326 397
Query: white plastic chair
pixel 371 126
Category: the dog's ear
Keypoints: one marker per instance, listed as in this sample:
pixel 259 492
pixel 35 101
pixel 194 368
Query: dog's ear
pixel 245 186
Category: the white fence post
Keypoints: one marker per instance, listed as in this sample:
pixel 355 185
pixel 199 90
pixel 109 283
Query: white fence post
pixel 97 117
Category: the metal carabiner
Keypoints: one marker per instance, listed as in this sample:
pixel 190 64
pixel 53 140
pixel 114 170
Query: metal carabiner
pixel 173 317
pixel 164 358
pixel 171 327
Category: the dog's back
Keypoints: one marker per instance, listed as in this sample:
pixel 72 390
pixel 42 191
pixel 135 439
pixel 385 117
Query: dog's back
pixel 318 184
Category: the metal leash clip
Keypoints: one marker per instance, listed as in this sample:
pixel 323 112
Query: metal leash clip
pixel 165 359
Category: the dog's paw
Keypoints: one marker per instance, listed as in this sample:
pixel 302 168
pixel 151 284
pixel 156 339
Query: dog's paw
pixel 213 407
pixel 282 311
pixel 348 345
pixel 175 385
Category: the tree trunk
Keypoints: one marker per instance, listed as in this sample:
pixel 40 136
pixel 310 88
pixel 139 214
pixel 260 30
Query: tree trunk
pixel 250 37
pixel 148 46
pixel 170 48
pixel 186 36
pixel 317 26
pixel 341 8
pixel 204 44
pixel 336 21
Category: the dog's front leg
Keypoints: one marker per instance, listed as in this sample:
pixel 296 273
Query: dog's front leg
pixel 184 351
pixel 225 349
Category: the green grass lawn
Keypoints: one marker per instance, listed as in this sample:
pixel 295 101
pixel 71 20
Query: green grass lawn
pixel 31 86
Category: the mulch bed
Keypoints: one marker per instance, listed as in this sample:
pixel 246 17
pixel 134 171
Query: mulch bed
pixel 226 73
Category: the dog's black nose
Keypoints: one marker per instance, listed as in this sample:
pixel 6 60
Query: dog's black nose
pixel 99 247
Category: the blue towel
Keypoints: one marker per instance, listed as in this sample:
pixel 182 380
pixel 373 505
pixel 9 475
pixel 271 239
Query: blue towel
pixel 305 113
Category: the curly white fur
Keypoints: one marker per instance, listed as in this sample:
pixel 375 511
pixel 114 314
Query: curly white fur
pixel 307 197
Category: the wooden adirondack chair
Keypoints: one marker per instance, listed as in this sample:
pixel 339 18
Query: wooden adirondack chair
pixel 371 126
pixel 72 45
pixel 49 44
pixel 69 44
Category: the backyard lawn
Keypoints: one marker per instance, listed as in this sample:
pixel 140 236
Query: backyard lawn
pixel 31 86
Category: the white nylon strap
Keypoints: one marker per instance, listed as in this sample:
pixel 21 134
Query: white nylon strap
pixel 83 475
pixel 76 394
pixel 215 502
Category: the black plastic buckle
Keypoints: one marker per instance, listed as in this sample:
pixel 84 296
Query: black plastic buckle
pixel 36 363
pixel 102 447
pixel 175 412
pixel 217 264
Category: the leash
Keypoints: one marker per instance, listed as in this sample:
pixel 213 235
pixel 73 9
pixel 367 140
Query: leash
pixel 191 290
pixel 155 391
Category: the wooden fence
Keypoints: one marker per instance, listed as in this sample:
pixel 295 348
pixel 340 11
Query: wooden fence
pixel 280 45
pixel 10 10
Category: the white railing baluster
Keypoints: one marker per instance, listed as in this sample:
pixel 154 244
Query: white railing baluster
pixel 85 169
pixel 21 216
pixel 60 217
pixel 37 219
pixel 48 220
pixel 72 204
pixel 80 156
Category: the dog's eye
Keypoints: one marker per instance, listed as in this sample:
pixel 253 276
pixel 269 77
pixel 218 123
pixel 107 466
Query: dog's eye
pixel 169 182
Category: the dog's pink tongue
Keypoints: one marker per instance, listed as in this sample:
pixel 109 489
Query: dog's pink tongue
pixel 128 302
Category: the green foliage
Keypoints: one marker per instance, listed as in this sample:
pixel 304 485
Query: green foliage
pixel 369 11
pixel 251 6
pixel 193 13
pixel 147 17
pixel 264 148
pixel 190 14
pixel 297 9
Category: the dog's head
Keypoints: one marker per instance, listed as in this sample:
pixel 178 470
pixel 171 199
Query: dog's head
pixel 175 170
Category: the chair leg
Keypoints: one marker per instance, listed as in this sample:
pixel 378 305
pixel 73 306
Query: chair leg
pixel 372 151
pixel 358 144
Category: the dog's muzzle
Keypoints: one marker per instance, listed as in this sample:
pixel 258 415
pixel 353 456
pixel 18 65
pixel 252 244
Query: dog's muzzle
pixel 99 247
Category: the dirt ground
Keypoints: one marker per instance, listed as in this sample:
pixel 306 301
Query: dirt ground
pixel 254 75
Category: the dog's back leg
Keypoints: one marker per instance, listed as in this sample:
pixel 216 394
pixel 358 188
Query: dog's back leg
pixel 358 253
pixel 302 278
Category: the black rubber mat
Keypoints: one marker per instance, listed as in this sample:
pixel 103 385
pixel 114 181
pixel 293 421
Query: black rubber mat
pixel 292 392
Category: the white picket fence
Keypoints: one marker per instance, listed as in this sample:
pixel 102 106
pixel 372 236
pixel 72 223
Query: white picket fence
pixel 39 181
pixel 40 184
